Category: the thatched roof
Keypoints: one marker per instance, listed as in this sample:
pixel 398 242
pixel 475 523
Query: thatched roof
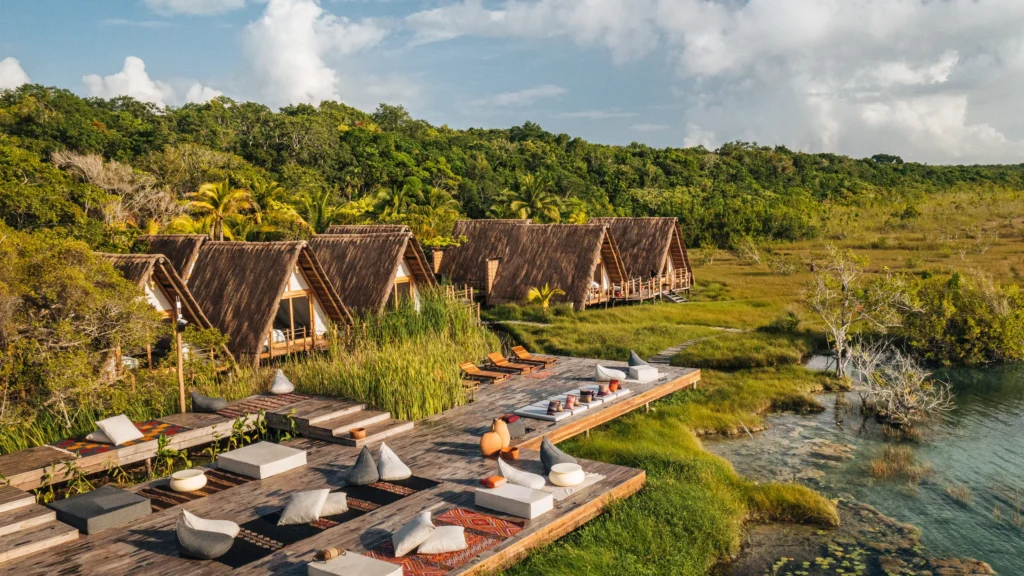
pixel 239 285
pixel 363 266
pixel 141 269
pixel 414 244
pixel 560 255
pixel 646 244
pixel 180 249
pixel 485 240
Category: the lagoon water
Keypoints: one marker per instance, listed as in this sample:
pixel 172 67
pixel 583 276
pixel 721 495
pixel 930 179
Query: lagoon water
pixel 979 445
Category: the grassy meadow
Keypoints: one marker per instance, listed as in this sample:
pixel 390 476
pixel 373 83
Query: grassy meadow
pixel 690 514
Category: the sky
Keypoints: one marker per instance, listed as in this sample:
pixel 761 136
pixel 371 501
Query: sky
pixel 937 81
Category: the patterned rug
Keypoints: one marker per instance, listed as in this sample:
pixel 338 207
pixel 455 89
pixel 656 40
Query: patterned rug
pixel 483 532
pixel 151 431
pixel 262 537
pixel 540 375
pixel 162 497
pixel 266 402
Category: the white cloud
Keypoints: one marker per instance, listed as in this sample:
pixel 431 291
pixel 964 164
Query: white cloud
pixel 199 94
pixel 599 114
pixel 935 81
pixel 288 46
pixel 521 97
pixel 649 127
pixel 132 80
pixel 194 7
pixel 11 74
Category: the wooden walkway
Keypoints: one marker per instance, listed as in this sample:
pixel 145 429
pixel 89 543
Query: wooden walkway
pixel 444 448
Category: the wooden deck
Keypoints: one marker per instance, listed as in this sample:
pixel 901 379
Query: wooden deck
pixel 444 448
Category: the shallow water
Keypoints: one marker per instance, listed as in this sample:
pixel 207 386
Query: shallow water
pixel 979 445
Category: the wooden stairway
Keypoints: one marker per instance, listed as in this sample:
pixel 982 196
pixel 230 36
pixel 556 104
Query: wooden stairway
pixel 26 527
pixel 331 420
pixel 674 297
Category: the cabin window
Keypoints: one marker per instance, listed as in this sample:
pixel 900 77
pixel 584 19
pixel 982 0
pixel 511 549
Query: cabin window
pixel 293 320
pixel 403 293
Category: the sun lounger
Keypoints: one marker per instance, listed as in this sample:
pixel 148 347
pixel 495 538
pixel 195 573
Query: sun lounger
pixel 501 362
pixel 475 373
pixel 523 356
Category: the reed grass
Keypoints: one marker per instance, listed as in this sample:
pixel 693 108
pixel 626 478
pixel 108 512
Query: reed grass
pixel 730 351
pixel 898 463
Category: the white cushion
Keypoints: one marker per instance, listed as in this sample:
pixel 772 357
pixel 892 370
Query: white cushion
pixel 119 429
pixel 444 539
pixel 520 477
pixel 515 500
pixel 98 436
pixel 336 503
pixel 410 536
pixel 608 374
pixel 281 385
pixel 643 373
pixel 304 507
pixel 389 467
pixel 352 564
pixel 222 526
pixel 262 460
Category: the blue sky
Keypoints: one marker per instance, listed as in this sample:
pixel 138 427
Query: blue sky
pixel 930 81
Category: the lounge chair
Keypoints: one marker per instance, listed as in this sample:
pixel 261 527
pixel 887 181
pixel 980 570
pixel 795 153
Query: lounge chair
pixel 523 356
pixel 502 363
pixel 475 373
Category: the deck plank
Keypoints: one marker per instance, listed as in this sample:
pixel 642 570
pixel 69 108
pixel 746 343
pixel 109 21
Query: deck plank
pixel 444 447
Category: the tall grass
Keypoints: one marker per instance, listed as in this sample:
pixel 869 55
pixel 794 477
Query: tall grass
pixel 404 362
pixel 746 350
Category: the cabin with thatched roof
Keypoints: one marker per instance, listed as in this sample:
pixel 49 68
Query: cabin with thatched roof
pixel 652 249
pixel 181 249
pixel 269 298
pixel 164 290
pixel 374 270
pixel 504 259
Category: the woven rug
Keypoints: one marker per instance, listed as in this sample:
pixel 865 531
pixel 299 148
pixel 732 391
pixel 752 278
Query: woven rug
pixel 540 375
pixel 266 402
pixel 261 537
pixel 151 431
pixel 162 497
pixel 483 532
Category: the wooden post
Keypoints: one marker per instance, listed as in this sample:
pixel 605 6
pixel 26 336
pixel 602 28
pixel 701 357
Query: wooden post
pixel 181 369
pixel 149 355
pixel 647 407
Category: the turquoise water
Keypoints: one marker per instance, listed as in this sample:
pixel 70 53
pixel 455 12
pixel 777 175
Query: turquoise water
pixel 979 445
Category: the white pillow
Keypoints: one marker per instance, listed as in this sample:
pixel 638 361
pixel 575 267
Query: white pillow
pixel 336 503
pixel 222 526
pixel 304 507
pixel 119 429
pixel 389 467
pixel 281 385
pixel 607 374
pixel 520 477
pixel 98 436
pixel 444 539
pixel 410 536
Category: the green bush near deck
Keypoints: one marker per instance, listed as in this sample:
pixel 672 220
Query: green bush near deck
pixel 691 511
pixel 746 350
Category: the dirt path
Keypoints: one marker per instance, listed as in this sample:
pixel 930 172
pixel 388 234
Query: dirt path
pixel 665 356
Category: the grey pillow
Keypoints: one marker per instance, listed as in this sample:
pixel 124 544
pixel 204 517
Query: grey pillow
pixel 200 543
pixel 635 360
pixel 549 455
pixel 365 470
pixel 207 404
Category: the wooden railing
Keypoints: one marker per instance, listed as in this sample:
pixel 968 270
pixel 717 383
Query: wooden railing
pixel 464 294
pixel 646 288
pixel 297 340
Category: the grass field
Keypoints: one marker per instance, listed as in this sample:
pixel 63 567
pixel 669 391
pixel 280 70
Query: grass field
pixel 690 514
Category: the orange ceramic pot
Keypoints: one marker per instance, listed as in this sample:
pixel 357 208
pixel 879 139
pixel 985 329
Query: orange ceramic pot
pixel 501 428
pixel 490 443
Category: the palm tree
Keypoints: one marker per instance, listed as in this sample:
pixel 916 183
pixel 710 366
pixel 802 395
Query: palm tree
pixel 317 210
pixel 544 296
pixel 186 225
pixel 244 227
pixel 394 203
pixel 534 199
pixel 219 200
pixel 265 196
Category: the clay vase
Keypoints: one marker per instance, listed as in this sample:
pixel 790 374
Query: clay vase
pixel 587 396
pixel 570 401
pixel 501 428
pixel 490 443
pixel 613 385
pixel 554 407
pixel 603 389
